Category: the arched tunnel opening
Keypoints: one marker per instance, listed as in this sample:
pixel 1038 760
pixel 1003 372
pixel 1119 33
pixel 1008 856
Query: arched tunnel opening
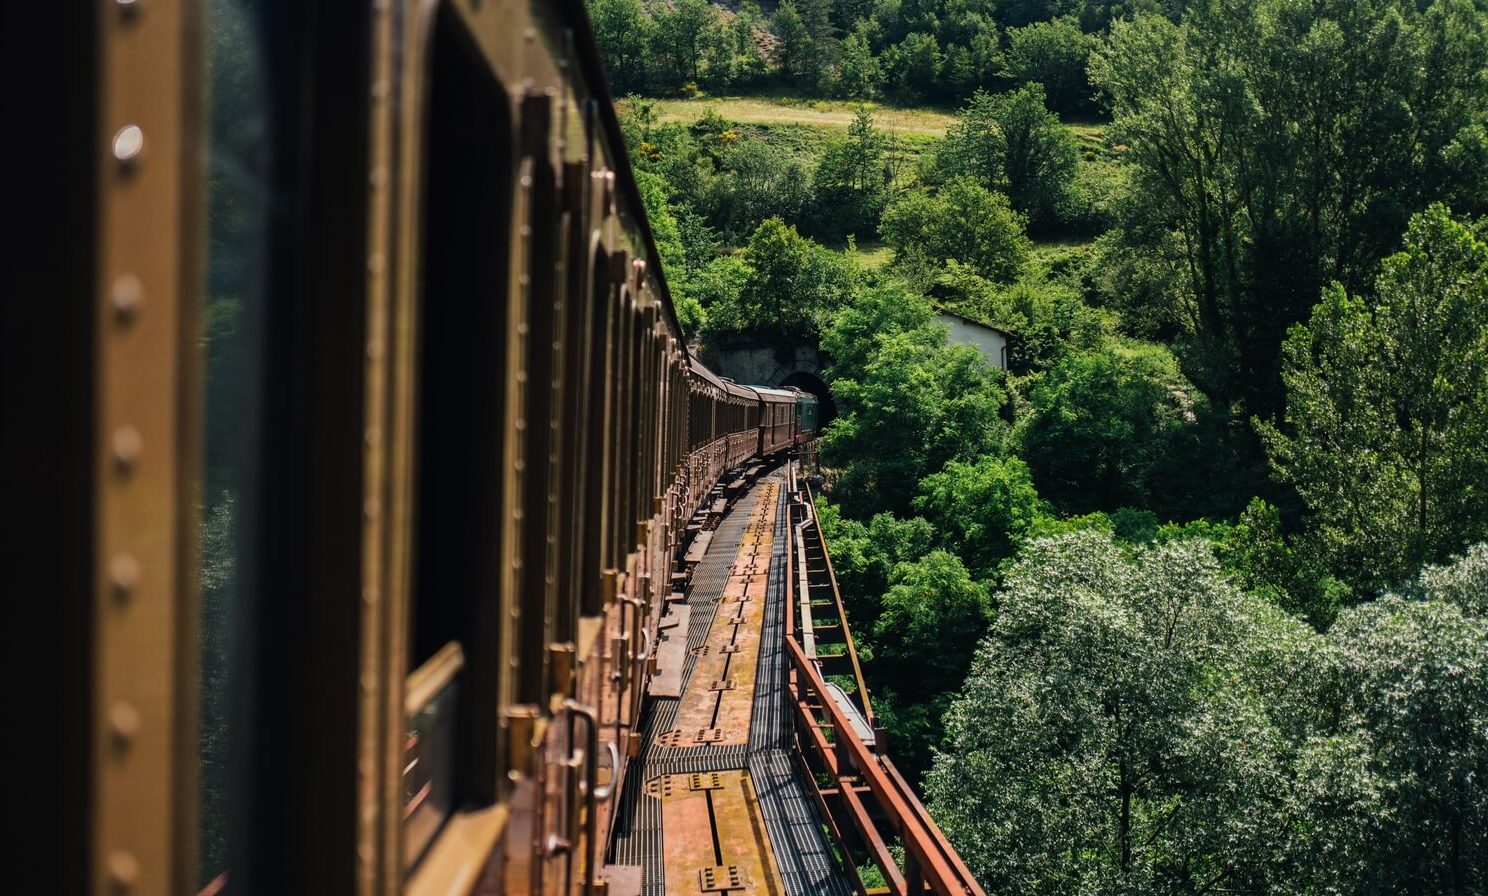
pixel 810 382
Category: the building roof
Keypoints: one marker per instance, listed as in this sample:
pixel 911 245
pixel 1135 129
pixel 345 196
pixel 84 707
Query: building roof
pixel 972 321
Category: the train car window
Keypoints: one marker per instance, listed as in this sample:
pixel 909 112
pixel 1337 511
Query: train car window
pixel 458 452
pixel 537 596
pixel 235 217
pixel 575 372
pixel 597 399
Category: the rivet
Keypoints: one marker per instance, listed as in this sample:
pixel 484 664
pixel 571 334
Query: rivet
pixel 128 8
pixel 128 142
pixel 127 446
pixel 127 294
pixel 374 349
pixel 123 869
pixel 374 263
pixel 124 572
pixel 380 90
pixel 369 595
pixel 378 177
pixel 124 720
pixel 372 435
pixel 370 507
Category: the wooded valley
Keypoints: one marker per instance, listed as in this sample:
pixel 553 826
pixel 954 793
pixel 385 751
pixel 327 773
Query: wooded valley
pixel 1192 597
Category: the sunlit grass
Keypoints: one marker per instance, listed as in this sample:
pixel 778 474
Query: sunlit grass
pixel 827 114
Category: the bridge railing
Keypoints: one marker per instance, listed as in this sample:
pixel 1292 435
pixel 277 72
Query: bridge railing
pixel 866 801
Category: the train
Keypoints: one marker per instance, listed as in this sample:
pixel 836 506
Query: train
pixel 372 436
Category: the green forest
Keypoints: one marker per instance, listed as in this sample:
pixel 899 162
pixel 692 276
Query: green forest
pixel 1193 597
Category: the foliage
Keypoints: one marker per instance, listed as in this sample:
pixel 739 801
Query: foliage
pixel 1107 430
pixel 793 45
pixel 911 401
pixel 754 180
pixel 792 287
pixel 1049 320
pixel 1012 142
pixel 1463 582
pixel 1069 742
pixel 1134 723
pixel 859 76
pixel 912 67
pixel 623 31
pixel 981 510
pixel 850 185
pixel 1285 144
pixel 962 221
pixel 864 555
pixel 932 616
pixel 684 28
pixel 1416 682
pixel 1053 53
pixel 1288 571
pixel 1386 435
pixel 858 332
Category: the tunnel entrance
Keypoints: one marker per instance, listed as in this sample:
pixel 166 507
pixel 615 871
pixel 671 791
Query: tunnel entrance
pixel 808 382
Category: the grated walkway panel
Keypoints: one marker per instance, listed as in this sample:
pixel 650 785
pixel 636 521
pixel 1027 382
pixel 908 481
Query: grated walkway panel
pixel 802 855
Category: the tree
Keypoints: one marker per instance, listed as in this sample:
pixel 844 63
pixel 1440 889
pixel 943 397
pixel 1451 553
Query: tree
pixel 865 555
pixel 793 45
pixel 1416 679
pixel 1012 142
pixel 962 221
pixel 932 617
pixel 912 67
pixel 913 404
pixel 1054 54
pixel 1109 430
pixel 683 31
pixel 1285 145
pixel 849 189
pixel 1116 733
pixel 1133 723
pixel 1286 570
pixel 753 180
pixel 1386 430
pixel 624 33
pixel 792 288
pixel 1463 582
pixel 981 509
pixel 858 73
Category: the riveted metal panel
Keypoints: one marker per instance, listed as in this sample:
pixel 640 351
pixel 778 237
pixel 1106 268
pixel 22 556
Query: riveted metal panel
pixel 146 456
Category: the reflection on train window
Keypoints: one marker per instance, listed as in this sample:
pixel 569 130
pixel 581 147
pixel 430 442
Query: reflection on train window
pixel 234 240
pixel 429 749
pixel 461 407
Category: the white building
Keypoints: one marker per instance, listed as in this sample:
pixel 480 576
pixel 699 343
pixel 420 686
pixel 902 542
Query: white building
pixel 985 338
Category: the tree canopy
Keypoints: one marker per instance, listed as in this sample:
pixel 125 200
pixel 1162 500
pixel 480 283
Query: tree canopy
pixel 1386 431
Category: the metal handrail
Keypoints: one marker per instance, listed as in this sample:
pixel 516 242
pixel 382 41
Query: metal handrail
pixel 942 867
pixel 852 762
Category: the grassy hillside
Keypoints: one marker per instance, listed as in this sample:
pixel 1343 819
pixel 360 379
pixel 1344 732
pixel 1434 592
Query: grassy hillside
pixel 829 115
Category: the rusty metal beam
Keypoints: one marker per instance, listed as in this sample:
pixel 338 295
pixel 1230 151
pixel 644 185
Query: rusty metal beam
pixel 924 844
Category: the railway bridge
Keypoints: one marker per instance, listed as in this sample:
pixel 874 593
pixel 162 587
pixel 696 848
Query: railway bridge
pixel 757 768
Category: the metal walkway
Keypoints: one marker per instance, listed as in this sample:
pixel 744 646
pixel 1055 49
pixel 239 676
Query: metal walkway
pixel 762 771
